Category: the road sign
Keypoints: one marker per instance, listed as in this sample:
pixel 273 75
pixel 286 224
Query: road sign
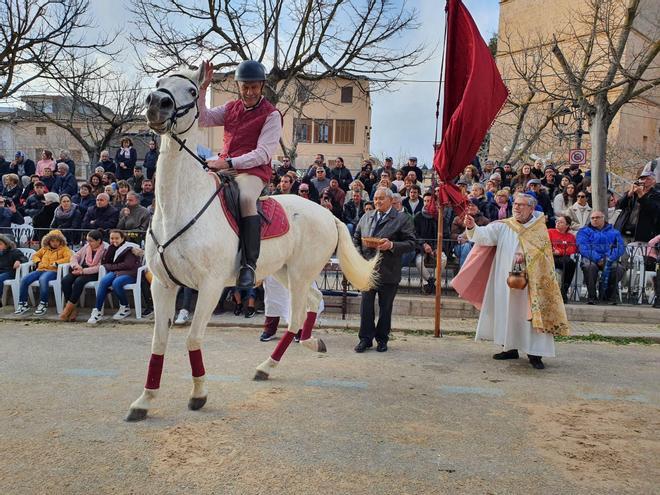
pixel 577 156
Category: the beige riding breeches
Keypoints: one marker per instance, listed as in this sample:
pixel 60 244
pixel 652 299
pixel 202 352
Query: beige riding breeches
pixel 250 187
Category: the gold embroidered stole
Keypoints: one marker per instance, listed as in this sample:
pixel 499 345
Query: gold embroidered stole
pixel 545 302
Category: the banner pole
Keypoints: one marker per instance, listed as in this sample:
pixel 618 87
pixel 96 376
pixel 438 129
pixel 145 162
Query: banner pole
pixel 437 331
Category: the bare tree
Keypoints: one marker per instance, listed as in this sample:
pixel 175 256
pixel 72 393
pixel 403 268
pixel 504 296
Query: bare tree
pixel 605 58
pixel 303 41
pixel 37 35
pixel 97 105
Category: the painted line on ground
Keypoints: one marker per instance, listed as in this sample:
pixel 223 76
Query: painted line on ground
pixel 91 373
pixel 336 383
pixel 485 392
pixel 609 397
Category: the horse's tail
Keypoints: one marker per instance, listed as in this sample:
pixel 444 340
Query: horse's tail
pixel 361 273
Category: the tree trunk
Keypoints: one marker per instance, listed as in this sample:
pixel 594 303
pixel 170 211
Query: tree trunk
pixel 600 124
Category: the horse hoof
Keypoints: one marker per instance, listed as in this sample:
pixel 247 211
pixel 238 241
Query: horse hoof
pixel 321 346
pixel 260 376
pixel 196 403
pixel 136 415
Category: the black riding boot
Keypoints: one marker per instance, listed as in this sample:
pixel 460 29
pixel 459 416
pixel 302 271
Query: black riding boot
pixel 250 241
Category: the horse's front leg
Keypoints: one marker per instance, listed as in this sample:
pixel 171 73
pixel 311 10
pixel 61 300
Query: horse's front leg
pixel 164 306
pixel 207 299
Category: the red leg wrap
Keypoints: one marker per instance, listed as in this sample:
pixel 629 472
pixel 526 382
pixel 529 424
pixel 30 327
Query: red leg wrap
pixel 270 325
pixel 155 371
pixel 308 325
pixel 282 345
pixel 196 363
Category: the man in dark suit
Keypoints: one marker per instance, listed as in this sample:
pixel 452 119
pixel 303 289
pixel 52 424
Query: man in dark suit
pixel 397 237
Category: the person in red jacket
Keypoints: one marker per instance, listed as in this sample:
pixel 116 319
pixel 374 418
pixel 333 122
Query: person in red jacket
pixel 253 127
pixel 563 246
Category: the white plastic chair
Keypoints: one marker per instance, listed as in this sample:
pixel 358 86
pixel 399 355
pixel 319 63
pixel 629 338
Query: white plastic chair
pixel 94 284
pixel 56 285
pixel 22 233
pixel 15 283
pixel 137 292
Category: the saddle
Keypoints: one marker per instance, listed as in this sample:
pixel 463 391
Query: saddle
pixel 274 222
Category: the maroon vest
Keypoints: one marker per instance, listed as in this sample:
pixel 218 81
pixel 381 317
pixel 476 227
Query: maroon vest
pixel 242 130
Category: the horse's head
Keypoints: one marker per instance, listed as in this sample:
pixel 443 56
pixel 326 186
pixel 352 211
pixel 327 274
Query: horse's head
pixel 173 107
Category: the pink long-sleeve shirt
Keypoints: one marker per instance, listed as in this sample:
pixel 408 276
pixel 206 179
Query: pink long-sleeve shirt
pixel 266 144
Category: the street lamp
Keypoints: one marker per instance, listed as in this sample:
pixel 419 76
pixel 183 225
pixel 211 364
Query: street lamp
pixel 561 119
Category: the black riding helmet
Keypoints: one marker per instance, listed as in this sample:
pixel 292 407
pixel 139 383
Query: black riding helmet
pixel 250 71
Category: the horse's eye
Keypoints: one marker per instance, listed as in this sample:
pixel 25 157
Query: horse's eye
pixel 193 92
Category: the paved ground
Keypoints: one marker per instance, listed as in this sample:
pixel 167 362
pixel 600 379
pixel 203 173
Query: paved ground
pixel 432 416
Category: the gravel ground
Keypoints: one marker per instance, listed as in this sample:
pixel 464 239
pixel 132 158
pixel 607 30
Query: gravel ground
pixel 431 416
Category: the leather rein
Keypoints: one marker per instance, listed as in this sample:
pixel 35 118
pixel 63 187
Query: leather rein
pixel 178 113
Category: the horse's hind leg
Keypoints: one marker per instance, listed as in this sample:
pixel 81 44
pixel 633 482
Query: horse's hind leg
pixel 164 305
pixel 207 299
pixel 298 300
pixel 314 297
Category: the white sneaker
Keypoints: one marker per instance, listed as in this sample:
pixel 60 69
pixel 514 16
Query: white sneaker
pixel 97 315
pixel 123 312
pixel 41 310
pixel 183 317
pixel 21 308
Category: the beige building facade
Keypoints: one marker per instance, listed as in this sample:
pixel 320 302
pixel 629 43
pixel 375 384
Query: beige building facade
pixel 634 135
pixel 331 117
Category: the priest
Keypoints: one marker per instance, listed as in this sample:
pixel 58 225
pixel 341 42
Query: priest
pixel 517 319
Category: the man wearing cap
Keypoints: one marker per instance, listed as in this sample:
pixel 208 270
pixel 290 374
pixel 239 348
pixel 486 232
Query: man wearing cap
pixel 412 167
pixel 388 166
pixel 22 165
pixel 253 127
pixel 640 210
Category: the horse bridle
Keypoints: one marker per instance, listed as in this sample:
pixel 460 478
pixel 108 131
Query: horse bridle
pixel 178 113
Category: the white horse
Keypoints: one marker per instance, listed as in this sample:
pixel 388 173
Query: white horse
pixel 205 257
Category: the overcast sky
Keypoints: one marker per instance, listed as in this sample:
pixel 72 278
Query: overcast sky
pixel 403 120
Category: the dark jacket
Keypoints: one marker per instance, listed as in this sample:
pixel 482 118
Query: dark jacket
pixel 396 227
pixel 648 219
pixel 150 160
pixel 146 199
pixel 66 184
pixel 125 173
pixel 43 219
pixel 426 229
pixel 14 194
pixel 65 224
pixel 596 245
pixel 121 260
pixel 408 209
pixel 343 176
pixel 100 218
pixel 10 255
pixel 135 183
pixel 353 212
pixel 71 164
pixel 109 166
pixel 83 203
pixel 28 165
pixel 33 205
pixel 7 218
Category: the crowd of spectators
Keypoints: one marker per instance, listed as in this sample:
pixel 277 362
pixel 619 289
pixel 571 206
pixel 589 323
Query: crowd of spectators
pixel 120 195
pixel 564 197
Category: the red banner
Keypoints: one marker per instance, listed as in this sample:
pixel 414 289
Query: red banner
pixel 474 94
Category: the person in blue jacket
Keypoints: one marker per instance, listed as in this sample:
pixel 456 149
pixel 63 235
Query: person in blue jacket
pixel 601 247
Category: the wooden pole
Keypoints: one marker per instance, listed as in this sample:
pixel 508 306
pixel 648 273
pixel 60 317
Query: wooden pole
pixel 437 331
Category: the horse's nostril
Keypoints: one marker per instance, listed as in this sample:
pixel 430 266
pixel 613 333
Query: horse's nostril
pixel 166 102
pixel 149 100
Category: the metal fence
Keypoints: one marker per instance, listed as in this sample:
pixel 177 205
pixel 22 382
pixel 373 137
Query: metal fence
pixel 639 269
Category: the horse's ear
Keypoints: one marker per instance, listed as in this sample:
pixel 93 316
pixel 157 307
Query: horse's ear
pixel 199 77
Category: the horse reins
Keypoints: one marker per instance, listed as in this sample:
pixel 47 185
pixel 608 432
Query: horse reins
pixel 181 112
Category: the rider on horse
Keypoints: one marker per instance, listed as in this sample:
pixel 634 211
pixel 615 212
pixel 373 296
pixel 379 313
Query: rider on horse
pixel 253 127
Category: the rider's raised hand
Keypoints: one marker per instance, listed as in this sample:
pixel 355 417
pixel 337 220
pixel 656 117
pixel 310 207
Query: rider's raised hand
pixel 208 74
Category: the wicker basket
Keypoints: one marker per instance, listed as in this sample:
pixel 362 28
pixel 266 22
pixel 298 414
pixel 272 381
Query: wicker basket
pixel 371 242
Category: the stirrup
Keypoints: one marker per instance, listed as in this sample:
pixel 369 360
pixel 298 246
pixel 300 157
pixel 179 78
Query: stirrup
pixel 242 281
